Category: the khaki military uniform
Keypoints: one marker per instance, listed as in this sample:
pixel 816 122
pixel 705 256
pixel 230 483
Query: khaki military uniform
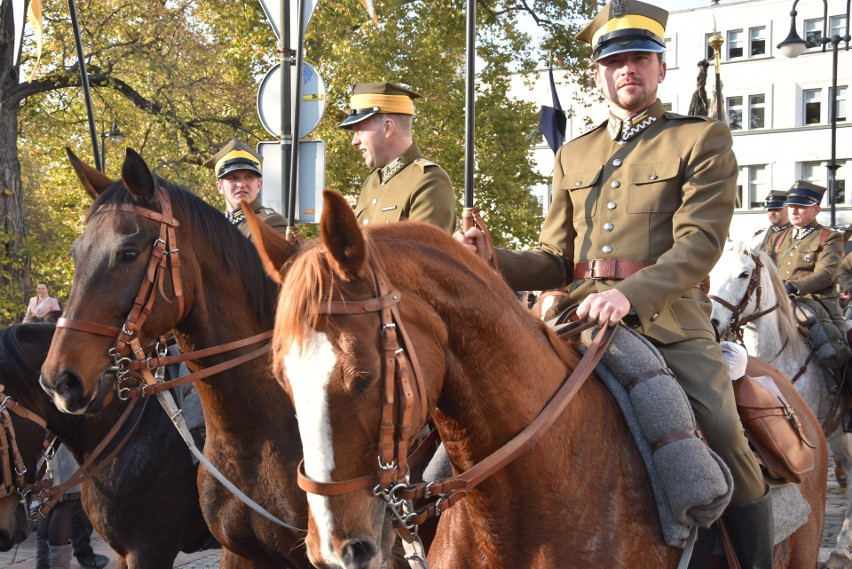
pixel 266 214
pixel 666 198
pixel 411 187
pixel 811 262
pixel 766 236
pixel 844 274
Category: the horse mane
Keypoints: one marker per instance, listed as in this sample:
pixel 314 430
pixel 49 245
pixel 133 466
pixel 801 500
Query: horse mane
pixel 15 364
pixel 787 328
pixel 217 237
pixel 310 281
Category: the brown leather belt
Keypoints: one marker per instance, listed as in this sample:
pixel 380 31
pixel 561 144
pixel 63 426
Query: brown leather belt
pixel 606 269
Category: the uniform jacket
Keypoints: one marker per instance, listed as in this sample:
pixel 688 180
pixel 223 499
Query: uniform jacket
pixel 266 214
pixel 420 190
pixel 666 197
pixel 811 263
pixel 763 237
pixel 844 275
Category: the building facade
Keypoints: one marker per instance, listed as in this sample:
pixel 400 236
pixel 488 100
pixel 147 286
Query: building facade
pixel 778 108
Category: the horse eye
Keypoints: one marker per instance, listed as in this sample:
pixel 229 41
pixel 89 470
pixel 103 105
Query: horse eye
pixel 128 256
pixel 361 382
pixel 743 275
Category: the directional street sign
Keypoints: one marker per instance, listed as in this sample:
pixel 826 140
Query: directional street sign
pixel 311 179
pixel 312 105
pixel 273 12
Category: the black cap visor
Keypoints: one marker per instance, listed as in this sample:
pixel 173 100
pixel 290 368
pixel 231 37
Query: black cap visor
pixel 358 115
pixel 621 45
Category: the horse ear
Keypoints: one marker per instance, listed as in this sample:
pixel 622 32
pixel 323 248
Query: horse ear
pixel 342 237
pixel 93 181
pixel 273 248
pixel 137 178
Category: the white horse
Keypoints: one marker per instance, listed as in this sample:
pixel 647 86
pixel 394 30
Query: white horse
pixel 748 297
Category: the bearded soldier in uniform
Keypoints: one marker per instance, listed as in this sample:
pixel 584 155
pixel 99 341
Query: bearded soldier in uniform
pixel 641 209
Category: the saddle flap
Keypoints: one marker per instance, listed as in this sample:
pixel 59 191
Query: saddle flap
pixel 773 428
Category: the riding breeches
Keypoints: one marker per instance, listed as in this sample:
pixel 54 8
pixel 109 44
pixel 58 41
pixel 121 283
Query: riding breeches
pixel 699 367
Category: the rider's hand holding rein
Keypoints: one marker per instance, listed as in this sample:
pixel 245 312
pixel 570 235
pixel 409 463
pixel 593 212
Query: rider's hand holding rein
pixel 475 240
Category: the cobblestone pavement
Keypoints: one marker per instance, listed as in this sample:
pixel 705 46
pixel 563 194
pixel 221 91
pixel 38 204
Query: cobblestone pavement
pixel 23 555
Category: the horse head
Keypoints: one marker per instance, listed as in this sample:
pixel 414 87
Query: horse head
pixel 343 350
pixel 125 259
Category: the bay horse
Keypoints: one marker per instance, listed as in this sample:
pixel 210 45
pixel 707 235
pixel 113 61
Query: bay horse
pixel 212 291
pixel 145 502
pixel 482 366
pixel 747 291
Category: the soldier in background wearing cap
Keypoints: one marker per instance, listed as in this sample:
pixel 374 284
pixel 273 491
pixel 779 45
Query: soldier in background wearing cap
pixel 641 209
pixel 808 256
pixel 403 184
pixel 776 212
pixel 239 177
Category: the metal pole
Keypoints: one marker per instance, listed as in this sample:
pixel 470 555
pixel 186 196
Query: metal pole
pixel 832 118
pixel 470 116
pixel 715 42
pixel 84 82
pixel 286 105
pixel 293 182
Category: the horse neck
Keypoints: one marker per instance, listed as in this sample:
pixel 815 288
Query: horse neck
pixel 773 337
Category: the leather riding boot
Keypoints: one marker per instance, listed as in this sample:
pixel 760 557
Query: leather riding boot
pixel 60 556
pixel 42 553
pixel 751 529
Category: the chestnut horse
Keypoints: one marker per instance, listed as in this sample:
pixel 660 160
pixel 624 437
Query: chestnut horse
pixel 145 511
pixel 213 291
pixel 483 367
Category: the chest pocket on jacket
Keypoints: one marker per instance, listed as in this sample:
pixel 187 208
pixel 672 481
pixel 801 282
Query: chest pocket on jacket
pixel 808 255
pixel 583 191
pixel 654 187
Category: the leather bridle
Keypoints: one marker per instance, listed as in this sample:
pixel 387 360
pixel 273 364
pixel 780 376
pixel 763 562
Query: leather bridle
pixel 737 322
pixel 127 352
pixel 391 481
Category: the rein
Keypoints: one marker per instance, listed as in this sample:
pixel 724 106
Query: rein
pixel 391 479
pixel 737 322
pixel 42 489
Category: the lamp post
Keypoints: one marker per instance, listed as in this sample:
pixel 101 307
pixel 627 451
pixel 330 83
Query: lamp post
pixel 793 46
pixel 114 135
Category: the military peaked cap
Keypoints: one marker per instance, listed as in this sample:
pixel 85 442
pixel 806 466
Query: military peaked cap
pixel 236 155
pixel 367 99
pixel 804 194
pixel 775 199
pixel 626 25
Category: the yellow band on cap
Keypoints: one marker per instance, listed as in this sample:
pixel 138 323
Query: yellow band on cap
pixel 397 104
pixel 629 22
pixel 235 154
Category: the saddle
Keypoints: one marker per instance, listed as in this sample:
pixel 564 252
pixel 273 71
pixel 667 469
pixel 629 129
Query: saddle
pixel 773 430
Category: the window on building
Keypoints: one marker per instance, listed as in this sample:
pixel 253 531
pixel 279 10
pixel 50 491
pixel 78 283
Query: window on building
pixel 735 44
pixel 840 107
pixel 837 26
pixel 813 32
pixel 756 111
pixel 757 188
pixel 735 112
pixel 813 105
pixel 815 173
pixel 757 41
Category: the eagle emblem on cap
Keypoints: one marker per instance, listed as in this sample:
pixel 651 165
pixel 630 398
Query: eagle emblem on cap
pixel 618 8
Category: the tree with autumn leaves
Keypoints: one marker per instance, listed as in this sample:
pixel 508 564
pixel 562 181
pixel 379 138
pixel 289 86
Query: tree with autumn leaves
pixel 181 76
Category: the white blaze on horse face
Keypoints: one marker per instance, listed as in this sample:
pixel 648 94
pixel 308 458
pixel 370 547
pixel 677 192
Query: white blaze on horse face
pixel 309 371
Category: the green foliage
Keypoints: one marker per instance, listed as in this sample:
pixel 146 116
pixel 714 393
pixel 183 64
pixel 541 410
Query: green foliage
pixel 181 78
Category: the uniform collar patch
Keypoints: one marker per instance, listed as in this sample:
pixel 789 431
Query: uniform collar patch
pixel 236 217
pixel 801 233
pixel 622 131
pixel 777 228
pixel 391 170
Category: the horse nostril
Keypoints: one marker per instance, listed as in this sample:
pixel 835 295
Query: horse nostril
pixel 68 386
pixel 358 554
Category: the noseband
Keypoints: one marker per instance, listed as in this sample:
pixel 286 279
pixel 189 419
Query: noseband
pixel 127 352
pixel 737 322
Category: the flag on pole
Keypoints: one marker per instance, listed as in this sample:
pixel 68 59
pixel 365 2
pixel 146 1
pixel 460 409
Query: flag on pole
pixel 552 120
pixel 368 4
pixel 698 105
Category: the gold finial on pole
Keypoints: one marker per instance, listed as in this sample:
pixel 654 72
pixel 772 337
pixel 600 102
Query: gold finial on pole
pixel 715 41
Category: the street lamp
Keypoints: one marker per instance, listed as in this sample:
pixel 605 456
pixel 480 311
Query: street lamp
pixel 114 135
pixel 793 46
